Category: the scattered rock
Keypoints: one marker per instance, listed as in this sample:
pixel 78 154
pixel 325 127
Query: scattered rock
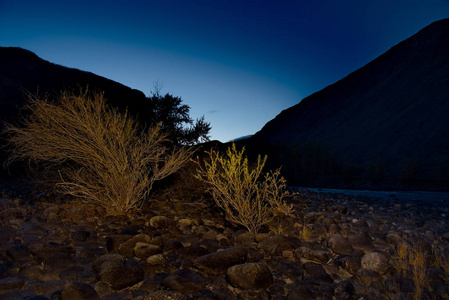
pixel 218 262
pixel 78 291
pixel 368 277
pixel 6 234
pixel 113 242
pixel 19 295
pixel 350 263
pixel 339 244
pixel 185 281
pixel 271 244
pixel 59 259
pixel 301 292
pixel 362 242
pixel 250 276
pixel 192 252
pixel 321 256
pixel 159 222
pixel 375 261
pixel 80 235
pixel 127 248
pixel 10 284
pixel 18 252
pixel 119 275
pixel 107 257
pixel 344 290
pixel 156 259
pixel 43 287
pixel 166 295
pixel 201 257
pixel 314 269
pixel 144 250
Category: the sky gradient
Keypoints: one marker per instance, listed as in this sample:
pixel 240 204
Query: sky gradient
pixel 238 63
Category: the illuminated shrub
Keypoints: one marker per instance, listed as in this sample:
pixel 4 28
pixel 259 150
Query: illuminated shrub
pixel 248 197
pixel 97 153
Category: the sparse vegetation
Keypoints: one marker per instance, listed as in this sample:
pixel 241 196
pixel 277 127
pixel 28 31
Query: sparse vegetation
pixel 237 188
pixel 173 117
pixel 412 263
pixel 418 265
pixel 441 261
pixel 401 263
pixel 305 233
pixel 97 153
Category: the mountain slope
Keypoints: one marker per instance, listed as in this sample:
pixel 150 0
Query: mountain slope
pixel 395 108
pixel 22 71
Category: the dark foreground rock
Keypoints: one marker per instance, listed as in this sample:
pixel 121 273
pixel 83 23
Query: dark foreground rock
pixel 250 276
pixel 336 247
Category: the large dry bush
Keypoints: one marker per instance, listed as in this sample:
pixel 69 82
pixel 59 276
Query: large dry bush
pixel 248 197
pixel 99 153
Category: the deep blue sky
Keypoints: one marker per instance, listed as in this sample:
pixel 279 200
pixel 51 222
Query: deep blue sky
pixel 238 63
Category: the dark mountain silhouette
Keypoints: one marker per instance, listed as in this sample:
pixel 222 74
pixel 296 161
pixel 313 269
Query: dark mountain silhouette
pixel 22 71
pixel 389 118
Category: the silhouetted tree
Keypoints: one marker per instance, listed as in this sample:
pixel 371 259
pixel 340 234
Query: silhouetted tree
pixel 173 117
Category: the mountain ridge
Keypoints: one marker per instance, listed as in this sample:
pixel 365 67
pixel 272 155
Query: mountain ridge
pixel 22 71
pixel 394 108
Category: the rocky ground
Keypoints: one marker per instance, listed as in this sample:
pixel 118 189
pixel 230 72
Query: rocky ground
pixel 335 247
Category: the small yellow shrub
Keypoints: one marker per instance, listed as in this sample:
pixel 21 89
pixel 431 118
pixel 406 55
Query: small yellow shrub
pixel 417 260
pixel 412 262
pixel 97 152
pixel 237 189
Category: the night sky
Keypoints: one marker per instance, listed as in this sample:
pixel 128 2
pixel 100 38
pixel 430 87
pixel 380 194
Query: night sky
pixel 238 63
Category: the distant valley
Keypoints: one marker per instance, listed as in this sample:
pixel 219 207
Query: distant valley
pixel 383 126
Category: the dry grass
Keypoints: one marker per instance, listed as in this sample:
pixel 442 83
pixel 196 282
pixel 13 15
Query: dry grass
pixel 418 265
pixel 441 261
pixel 237 189
pixel 305 233
pixel 412 263
pixel 98 153
pixel 402 262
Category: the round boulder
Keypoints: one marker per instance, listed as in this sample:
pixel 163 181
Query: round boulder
pixel 350 263
pixel 250 276
pixel 144 250
pixel 376 261
pixel 119 275
pixel 362 242
pixel 96 266
pixel 127 248
pixel 159 222
pixel 339 244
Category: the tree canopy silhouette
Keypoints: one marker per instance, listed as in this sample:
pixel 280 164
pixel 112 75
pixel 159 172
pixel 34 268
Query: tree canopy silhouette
pixel 173 117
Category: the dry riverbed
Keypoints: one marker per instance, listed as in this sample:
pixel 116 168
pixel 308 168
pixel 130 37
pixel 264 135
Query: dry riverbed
pixel 336 246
